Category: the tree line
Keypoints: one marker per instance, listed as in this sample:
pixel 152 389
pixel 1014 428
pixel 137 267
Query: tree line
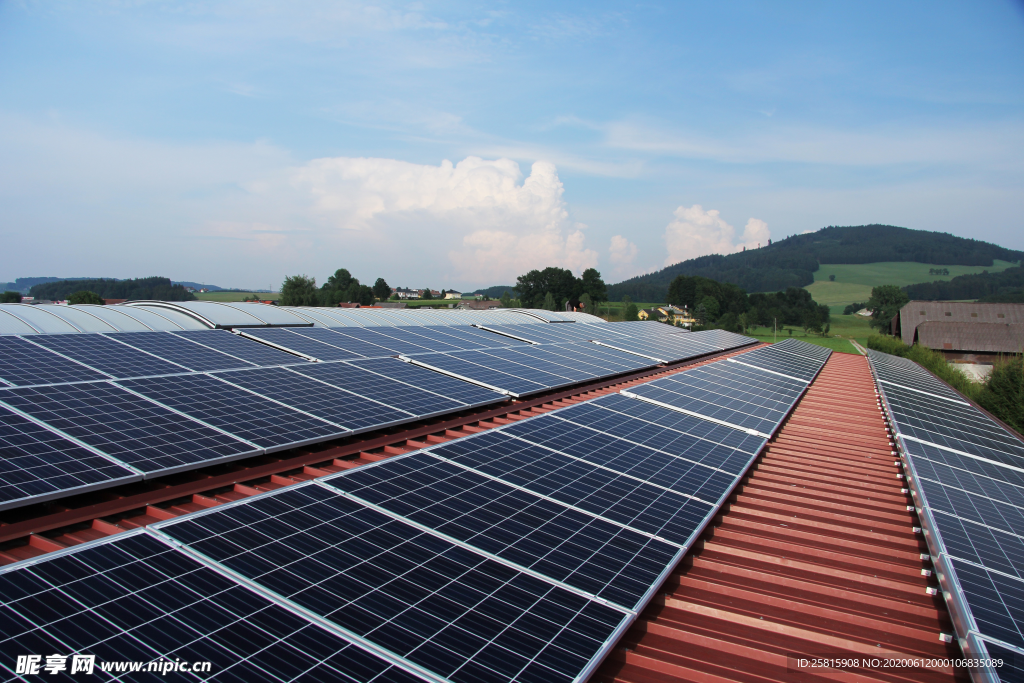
pixel 984 286
pixel 726 306
pixel 152 288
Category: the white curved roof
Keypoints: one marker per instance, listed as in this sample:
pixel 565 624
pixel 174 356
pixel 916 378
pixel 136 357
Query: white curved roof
pixel 220 314
pixel 132 319
pixel 12 324
pixel 43 319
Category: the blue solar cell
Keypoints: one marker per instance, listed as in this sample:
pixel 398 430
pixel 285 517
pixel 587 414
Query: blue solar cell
pixel 378 388
pixel 103 353
pixel 180 350
pixel 996 601
pixel 267 424
pixel 451 610
pixel 781 362
pixel 647 422
pixel 380 337
pixel 580 550
pixel 618 498
pixel 37 464
pixel 492 375
pixel 127 427
pixel 239 347
pixel 536 358
pixel 731 411
pixel 697 476
pixel 338 339
pixel 428 380
pixel 24 364
pixel 137 599
pixel 300 343
pixel 316 398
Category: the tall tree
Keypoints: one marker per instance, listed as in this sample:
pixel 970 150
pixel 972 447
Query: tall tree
pixel 587 303
pixel 85 297
pixel 592 284
pixel 534 285
pixel 885 302
pixel 549 302
pixel 299 290
pixel 427 295
pixel 506 300
pixel 381 289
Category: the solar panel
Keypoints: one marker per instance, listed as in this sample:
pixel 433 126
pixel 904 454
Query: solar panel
pixel 37 464
pixel 723 408
pixel 588 360
pixel 469 337
pixel 411 335
pixel 421 378
pixel 996 602
pixel 659 427
pixel 381 336
pixel 376 387
pixel 258 420
pixel 239 347
pixel 536 358
pixel 780 362
pixel 920 414
pixel 584 419
pixel 490 372
pixel 301 344
pixel 698 475
pixel 439 605
pixel 615 497
pixel 101 352
pixel 316 398
pixel 181 351
pixel 134 598
pixel 663 349
pixel 24 364
pixel 566 545
pixel 129 428
pixel 967 479
pixel 336 338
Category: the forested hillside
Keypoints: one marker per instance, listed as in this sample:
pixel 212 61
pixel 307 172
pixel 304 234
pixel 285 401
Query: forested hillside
pixel 1003 286
pixel 791 262
pixel 158 288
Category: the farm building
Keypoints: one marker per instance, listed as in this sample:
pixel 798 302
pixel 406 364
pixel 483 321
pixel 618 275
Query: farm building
pixel 975 332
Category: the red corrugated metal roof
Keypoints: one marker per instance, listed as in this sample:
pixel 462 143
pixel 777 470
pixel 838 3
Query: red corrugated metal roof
pixel 815 554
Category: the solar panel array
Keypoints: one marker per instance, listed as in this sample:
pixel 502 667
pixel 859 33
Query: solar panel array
pixel 132 405
pixel 966 474
pixel 562 358
pixel 517 554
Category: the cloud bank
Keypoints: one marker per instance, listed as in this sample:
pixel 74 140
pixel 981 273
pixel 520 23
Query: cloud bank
pixel 696 232
pixel 494 224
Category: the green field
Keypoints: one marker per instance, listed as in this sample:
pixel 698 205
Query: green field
pixel 854 281
pixel 237 296
pixel 841 328
pixel 841 345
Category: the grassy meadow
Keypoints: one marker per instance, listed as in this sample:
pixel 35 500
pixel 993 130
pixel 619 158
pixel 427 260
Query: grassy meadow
pixel 854 280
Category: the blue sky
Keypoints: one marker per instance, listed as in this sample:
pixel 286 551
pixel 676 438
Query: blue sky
pixel 458 144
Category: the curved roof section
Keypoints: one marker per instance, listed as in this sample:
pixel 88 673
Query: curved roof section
pixel 11 324
pixel 42 319
pixel 131 319
pixel 218 314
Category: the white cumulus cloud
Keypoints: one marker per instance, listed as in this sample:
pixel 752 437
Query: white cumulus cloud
pixel 493 224
pixel 621 253
pixel 696 232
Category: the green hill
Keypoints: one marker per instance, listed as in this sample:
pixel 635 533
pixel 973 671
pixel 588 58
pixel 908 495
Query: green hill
pixel 854 282
pixel 795 261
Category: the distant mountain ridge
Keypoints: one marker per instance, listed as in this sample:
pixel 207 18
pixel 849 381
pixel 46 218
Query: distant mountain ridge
pixel 791 262
pixel 25 284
